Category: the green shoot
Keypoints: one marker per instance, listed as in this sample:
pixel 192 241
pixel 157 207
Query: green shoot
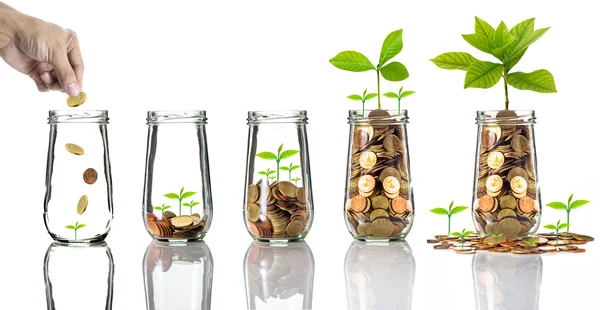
pixel 191 205
pixel 401 94
pixel 277 158
pixel 363 98
pixel 571 205
pixel 449 212
pixel 267 173
pixel 462 236
pixel 496 236
pixel 163 208
pixel 75 227
pixel 531 242
pixel 180 197
pixel 557 227
pixel 296 179
pixel 289 169
pixel 272 178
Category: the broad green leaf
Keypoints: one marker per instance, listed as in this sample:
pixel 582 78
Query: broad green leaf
pixel 185 204
pixel 267 155
pixel 352 61
pixel 172 196
pixel 522 28
pixel 557 205
pixel 295 167
pixel 454 61
pixel 284 168
pixel 482 27
pixel 469 232
pixel 578 203
pixel 483 74
pixel 570 198
pixel 407 93
pixel 355 97
pixel 513 61
pixel 480 42
pixel 262 173
pixel 271 172
pixel 392 45
pixel 458 209
pixel 158 208
pixel 550 226
pixel 563 226
pixel 456 234
pixel 288 154
pixel 279 149
pixel 499 52
pixel 80 226
pixel 440 211
pixel 70 227
pixel 394 71
pixel 540 81
pixel 195 204
pixel 501 35
pixel 391 95
pixel 166 207
pixel 188 195
pixel 370 96
pixel 524 42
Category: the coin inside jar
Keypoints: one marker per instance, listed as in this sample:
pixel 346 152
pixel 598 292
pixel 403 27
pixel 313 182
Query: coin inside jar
pixel 392 143
pixel 518 185
pixel 494 183
pixel 382 227
pixel 391 185
pixel 82 204
pixel 486 203
pixel 526 204
pixel 90 176
pixel 366 183
pixel 508 202
pixel 495 160
pixel 519 143
pixel 252 195
pixel 74 148
pixel 488 138
pixel 359 204
pixel 367 160
pixel 400 205
pixel 380 202
pixel 294 228
pixel 253 212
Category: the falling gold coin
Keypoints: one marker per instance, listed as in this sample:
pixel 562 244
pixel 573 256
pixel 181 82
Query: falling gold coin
pixel 90 176
pixel 366 183
pixel 518 185
pixel 391 185
pixel 82 204
pixel 368 160
pixel 494 183
pixel 74 148
pixel 75 101
pixel 495 160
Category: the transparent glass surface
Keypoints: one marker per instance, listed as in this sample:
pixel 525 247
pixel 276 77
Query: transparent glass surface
pixel 177 194
pixel 379 276
pixel 506 192
pixel 278 197
pixel 78 203
pixel 379 197
pixel 178 276
pixel 279 276
pixel 86 272
pixel 507 281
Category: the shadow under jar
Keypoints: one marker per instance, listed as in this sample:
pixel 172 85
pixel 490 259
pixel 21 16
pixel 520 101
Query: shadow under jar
pixel 177 194
pixel 506 194
pixel 78 204
pixel 278 198
pixel 379 200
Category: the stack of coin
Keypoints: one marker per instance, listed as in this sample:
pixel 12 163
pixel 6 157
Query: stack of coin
pixel 276 210
pixel 378 202
pixel 506 195
pixel 172 226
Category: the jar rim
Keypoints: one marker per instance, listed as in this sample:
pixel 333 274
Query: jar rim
pixel 78 116
pixel 394 118
pixel 277 116
pixel 491 116
pixel 176 116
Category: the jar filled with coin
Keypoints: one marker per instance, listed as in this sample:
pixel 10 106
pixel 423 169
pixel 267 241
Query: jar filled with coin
pixel 379 201
pixel 506 198
pixel 278 198
pixel 177 203
pixel 78 207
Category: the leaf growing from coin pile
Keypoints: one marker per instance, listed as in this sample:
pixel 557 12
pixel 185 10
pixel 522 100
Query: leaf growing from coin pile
pixel 357 62
pixel 449 212
pixel 557 227
pixel 401 94
pixel 571 205
pixel 497 236
pixel 191 205
pixel 462 236
pixel 506 46
pixel 296 179
pixel 162 208
pixel 267 173
pixel 180 197
pixel 75 227
pixel 290 168
pixel 363 98
pixel 277 158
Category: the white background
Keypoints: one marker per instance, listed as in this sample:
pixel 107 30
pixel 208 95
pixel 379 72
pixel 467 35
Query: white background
pixel 228 57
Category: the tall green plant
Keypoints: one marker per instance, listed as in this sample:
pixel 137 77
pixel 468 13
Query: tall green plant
pixel 401 94
pixel 570 206
pixel 289 169
pixel 449 212
pixel 277 158
pixel 363 98
pixel 191 205
pixel 180 197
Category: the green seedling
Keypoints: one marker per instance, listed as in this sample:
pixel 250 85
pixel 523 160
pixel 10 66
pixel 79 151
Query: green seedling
pixel 496 236
pixel 557 227
pixel 363 98
pixel 356 62
pixel 272 178
pixel 180 197
pixel 449 212
pixel 191 205
pixel 289 169
pixel 277 158
pixel 75 227
pixel 462 236
pixel 571 205
pixel 296 179
pixel 162 208
pixel 506 46
pixel 531 242
pixel 401 94
pixel 267 173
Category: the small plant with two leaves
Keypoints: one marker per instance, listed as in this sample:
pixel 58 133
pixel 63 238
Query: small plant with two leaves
pixel 289 169
pixel 449 212
pixel 268 173
pixel 277 158
pixel 497 237
pixel 191 205
pixel 399 95
pixel 557 228
pixel 182 195
pixel 75 228
pixel 571 205
pixel 530 243
pixel 392 71
pixel 296 179
pixel 462 236
pixel 508 47
pixel 162 208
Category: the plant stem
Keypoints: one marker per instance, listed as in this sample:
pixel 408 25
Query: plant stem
pixel 568 220
pixel 75 233
pixel 448 224
pixel 505 88
pixel 180 206
pixel 363 107
pixel 278 170
pixel 378 91
pixel 398 105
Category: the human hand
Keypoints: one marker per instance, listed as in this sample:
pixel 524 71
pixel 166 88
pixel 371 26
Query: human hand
pixel 47 53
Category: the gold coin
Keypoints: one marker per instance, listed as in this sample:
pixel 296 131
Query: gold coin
pixel 364 229
pixel 494 183
pixel 391 185
pixel 287 189
pixel 519 196
pixel 518 185
pixel 499 249
pixel 367 160
pixel 506 119
pixel 392 143
pixel 169 214
pixel 400 205
pixel 183 221
pixel 506 213
pixel 378 213
pixel 526 204
pixel 494 240
pixel 390 171
pixel 519 143
pixel 495 129
pixel 90 176
pixel 517 172
pixel 252 195
pixel 380 202
pixel 583 238
pixel 495 160
pixel 382 227
pixel 390 195
pixel 488 138
pixel 75 101
pixel 486 203
pixel 366 183
pixel 294 228
pixel 74 149
pixel 509 227
pixel 253 212
pixel 301 194
pixel 508 202
pixel 443 246
pixel 359 204
pixel 82 204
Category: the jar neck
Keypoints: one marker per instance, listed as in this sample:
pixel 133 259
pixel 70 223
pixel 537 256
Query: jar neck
pixel 277 117
pixel 384 117
pixel 523 117
pixel 67 116
pixel 176 117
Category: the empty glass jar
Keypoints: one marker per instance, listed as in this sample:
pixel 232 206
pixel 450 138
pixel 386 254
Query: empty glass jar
pixel 177 192
pixel 379 198
pixel 278 198
pixel 506 193
pixel 78 207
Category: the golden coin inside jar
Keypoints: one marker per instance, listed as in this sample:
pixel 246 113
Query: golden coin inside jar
pixel 508 202
pixel 360 138
pixel 294 228
pixel 366 183
pixel 252 195
pixel 509 227
pixel 391 185
pixel 519 143
pixel 367 160
pixel 74 148
pixel 518 172
pixel 495 160
pixel 253 212
pixel 90 176
pixel 378 213
pixel 518 185
pixel 75 101
pixel 506 213
pixel 494 183
pixel 301 194
pixel 488 138
pixel 392 143
pixel 390 171
pixel 380 202
pixel 82 204
pixel 287 189
pixel 182 221
pixel 526 204
pixel 382 227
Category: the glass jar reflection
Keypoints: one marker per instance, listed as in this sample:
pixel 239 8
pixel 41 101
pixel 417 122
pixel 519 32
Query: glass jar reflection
pixel 379 276
pixel 279 276
pixel 178 276
pixel 83 271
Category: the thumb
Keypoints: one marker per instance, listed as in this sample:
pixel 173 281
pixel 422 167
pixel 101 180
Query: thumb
pixel 65 74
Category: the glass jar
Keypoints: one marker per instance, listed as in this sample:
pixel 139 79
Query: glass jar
pixel 379 275
pixel 379 198
pixel 279 276
pixel 177 192
pixel 506 193
pixel 278 198
pixel 84 272
pixel 78 207
pixel 178 276
pixel 507 281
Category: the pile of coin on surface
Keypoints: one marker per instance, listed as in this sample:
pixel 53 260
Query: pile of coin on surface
pixel 378 205
pixel 173 226
pixel 276 210
pixel 90 176
pixel 540 243
pixel 507 198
